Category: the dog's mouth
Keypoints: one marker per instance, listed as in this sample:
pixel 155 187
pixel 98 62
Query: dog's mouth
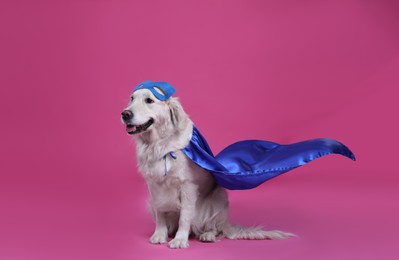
pixel 136 129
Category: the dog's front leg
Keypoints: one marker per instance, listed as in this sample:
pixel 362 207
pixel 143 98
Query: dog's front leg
pixel 188 196
pixel 161 230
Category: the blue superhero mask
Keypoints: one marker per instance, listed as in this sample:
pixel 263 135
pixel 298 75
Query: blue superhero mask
pixel 161 90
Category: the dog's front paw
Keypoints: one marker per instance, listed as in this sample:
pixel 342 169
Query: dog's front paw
pixel 158 238
pixel 178 243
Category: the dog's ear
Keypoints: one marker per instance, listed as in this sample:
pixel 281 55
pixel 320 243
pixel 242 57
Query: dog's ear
pixel 177 114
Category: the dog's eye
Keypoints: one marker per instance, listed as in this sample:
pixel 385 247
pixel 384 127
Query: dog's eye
pixel 149 101
pixel 131 98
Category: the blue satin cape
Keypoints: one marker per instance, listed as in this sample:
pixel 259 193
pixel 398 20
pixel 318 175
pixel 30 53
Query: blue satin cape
pixel 247 164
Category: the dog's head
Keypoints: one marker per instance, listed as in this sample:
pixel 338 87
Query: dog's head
pixel 146 112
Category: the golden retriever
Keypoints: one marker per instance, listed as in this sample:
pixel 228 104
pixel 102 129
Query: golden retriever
pixel 184 198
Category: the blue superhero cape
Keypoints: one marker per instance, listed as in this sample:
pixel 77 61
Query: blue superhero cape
pixel 247 164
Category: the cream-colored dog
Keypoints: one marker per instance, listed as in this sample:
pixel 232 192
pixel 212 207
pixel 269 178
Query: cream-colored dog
pixel 184 198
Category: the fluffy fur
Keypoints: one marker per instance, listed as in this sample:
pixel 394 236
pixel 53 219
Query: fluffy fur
pixel 184 198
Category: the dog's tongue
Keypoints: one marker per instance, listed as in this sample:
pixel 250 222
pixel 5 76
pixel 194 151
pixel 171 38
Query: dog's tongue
pixel 131 128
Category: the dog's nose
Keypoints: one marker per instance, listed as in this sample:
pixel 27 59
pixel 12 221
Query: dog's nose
pixel 127 115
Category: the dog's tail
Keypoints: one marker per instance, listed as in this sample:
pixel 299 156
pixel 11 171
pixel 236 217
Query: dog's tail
pixel 238 232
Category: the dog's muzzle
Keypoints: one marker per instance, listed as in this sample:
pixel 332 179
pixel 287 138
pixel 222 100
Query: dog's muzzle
pixel 131 129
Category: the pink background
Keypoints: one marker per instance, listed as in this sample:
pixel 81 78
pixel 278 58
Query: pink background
pixel 283 71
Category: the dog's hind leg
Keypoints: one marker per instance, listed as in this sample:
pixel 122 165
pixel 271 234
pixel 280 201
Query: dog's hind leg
pixel 209 236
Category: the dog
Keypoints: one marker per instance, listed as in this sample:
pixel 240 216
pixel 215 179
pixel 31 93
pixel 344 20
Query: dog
pixel 184 198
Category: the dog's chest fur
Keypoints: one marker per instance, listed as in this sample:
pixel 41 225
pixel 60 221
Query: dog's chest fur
pixel 157 167
pixel 164 176
pixel 165 194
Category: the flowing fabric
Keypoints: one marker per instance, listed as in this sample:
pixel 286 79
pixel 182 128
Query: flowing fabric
pixel 247 164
